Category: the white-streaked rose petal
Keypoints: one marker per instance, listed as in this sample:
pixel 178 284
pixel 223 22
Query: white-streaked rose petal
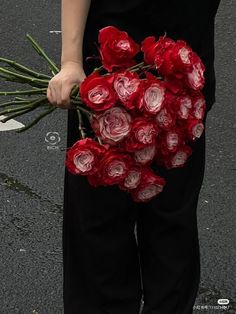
pixel 179 158
pixel 197 130
pixel 195 78
pixel 163 118
pixel 133 179
pixel 145 134
pixel 149 192
pixel 199 106
pixel 184 55
pixel 116 169
pixel 172 140
pixel 153 98
pixel 185 106
pixel 98 94
pixel 145 155
pixel 114 124
pixel 125 87
pixel 84 161
pixel 123 44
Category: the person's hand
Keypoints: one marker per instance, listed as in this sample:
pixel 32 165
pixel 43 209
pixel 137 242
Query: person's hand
pixel 60 86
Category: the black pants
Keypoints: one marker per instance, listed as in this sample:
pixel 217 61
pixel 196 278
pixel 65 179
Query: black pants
pixel 104 268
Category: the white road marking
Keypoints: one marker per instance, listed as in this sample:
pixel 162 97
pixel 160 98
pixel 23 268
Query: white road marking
pixel 10 124
pixel 54 32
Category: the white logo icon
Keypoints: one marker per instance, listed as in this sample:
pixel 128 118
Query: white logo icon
pixel 223 301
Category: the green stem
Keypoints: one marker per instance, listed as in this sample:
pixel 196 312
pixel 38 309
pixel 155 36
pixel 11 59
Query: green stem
pixel 13 102
pixel 82 109
pixel 36 120
pixel 24 69
pixel 98 69
pixel 16 115
pixel 6 111
pixel 80 127
pixel 23 77
pixel 42 53
pixel 23 109
pixel 24 92
pixel 135 66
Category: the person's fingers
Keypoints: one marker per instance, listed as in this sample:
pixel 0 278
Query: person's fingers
pixel 65 94
pixel 49 95
pixel 57 92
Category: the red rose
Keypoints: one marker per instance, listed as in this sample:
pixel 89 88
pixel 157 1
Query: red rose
pixel 84 156
pixel 174 84
pixel 182 106
pixel 132 179
pixel 176 159
pixel 126 85
pixel 152 95
pixel 113 125
pixel 194 129
pixel 149 187
pixel 170 140
pixel 117 48
pixel 199 106
pixel 143 133
pixel 176 60
pixel 145 155
pixel 195 78
pixel 113 167
pixel 97 91
pixel 165 118
pixel 152 49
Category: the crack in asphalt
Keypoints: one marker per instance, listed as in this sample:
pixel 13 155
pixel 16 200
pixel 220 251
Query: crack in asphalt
pixel 13 184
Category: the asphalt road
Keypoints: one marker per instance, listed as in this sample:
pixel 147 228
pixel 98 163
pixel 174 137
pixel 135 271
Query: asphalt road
pixel 31 176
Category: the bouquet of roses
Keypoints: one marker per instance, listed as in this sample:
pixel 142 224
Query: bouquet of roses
pixel 138 113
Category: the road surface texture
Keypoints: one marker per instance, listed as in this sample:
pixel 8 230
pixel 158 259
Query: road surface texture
pixel 31 175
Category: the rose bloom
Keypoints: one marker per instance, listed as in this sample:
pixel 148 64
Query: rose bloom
pixel 152 95
pixel 175 59
pixel 97 91
pixel 195 78
pixel 143 133
pixel 132 179
pixel 176 159
pixel 152 49
pixel 165 118
pixel 84 156
pixel 170 140
pixel 182 106
pixel 126 85
pixel 198 106
pixel 149 187
pixel 113 167
pixel 117 48
pixel 113 125
pixel 194 129
pixel 145 155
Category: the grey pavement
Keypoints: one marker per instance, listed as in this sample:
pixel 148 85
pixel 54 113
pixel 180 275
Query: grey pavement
pixel 31 176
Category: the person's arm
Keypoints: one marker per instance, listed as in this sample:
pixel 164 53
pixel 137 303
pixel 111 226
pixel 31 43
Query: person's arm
pixel 73 20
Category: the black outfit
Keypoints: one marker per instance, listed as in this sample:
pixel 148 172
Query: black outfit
pixel 105 270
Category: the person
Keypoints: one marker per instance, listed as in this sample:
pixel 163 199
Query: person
pixel 109 268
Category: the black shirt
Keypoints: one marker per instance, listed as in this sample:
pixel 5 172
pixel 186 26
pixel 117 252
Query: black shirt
pixel 192 21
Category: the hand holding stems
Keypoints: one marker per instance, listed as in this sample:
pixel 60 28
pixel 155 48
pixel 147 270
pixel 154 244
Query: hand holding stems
pixel 60 86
